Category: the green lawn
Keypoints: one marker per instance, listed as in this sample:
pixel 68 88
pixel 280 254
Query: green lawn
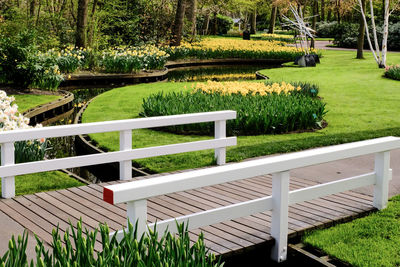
pixel 26 102
pixel 45 181
pixel 361 105
pixel 370 241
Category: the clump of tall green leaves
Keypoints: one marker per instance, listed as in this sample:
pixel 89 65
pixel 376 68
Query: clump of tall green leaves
pixel 393 72
pixel 76 247
pixel 256 114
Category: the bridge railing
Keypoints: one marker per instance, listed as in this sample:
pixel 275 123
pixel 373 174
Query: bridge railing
pixel 136 193
pixel 124 156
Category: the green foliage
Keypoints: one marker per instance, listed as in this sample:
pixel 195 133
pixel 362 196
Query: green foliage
pixel 17 59
pixel 147 250
pixel 393 72
pixel 256 114
pixel 224 24
pixel 26 151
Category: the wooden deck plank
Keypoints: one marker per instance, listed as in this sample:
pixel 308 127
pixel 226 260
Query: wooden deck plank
pixel 41 212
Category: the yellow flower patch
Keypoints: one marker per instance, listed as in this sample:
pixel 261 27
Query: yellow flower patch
pixel 245 88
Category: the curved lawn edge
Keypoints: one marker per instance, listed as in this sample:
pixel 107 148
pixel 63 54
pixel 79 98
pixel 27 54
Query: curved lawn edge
pixel 361 106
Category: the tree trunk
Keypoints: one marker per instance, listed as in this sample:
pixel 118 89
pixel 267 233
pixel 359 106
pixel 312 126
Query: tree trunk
pixel 206 24
pixel 314 20
pixel 91 25
pixel 361 33
pixel 81 23
pixel 338 2
pixel 385 34
pixel 32 5
pixel 322 10
pixel 215 25
pixel 178 25
pixel 191 14
pixel 274 11
pixel 329 17
pixel 253 22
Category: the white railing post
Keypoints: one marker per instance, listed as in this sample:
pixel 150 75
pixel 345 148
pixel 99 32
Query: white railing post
pixel 382 171
pixel 7 158
pixel 220 132
pixel 279 215
pixel 137 211
pixel 125 143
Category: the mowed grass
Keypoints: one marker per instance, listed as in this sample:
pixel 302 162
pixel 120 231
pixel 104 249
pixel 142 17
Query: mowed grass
pixel 361 105
pixel 44 181
pixel 370 241
pixel 26 102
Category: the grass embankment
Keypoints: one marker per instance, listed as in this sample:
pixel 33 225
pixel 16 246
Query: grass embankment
pixel 361 104
pixel 26 102
pixel 45 181
pixel 370 241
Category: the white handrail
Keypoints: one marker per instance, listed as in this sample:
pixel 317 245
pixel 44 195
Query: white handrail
pixel 126 154
pixel 136 193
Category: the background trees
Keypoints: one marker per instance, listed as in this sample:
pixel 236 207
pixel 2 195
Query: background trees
pixel 104 23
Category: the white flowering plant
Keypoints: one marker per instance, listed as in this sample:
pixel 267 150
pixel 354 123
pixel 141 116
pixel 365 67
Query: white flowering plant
pixel 11 119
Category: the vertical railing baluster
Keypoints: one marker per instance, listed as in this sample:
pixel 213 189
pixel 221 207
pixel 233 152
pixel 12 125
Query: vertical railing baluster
pixel 280 213
pixel 383 173
pixel 125 143
pixel 220 132
pixel 7 158
pixel 137 212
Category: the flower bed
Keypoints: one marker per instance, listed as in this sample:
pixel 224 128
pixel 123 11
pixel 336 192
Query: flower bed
pixel 11 119
pixel 274 37
pixel 262 108
pixel 393 72
pixel 234 48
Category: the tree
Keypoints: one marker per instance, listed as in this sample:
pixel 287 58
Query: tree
pixel 379 56
pixel 361 32
pixel 253 22
pixel 81 24
pixel 314 4
pixel 178 25
pixel 191 14
pixel 272 20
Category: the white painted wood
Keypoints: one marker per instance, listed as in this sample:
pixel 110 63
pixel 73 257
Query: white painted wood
pixel 220 132
pixel 7 181
pixel 137 212
pixel 381 188
pixel 117 125
pixel 94 159
pixel 217 215
pixel 231 172
pixel 279 216
pixel 321 190
pixel 125 144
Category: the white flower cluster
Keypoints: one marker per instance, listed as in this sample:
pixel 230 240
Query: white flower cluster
pixel 10 118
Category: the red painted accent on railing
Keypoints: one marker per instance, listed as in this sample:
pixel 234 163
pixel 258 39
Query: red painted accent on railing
pixel 108 195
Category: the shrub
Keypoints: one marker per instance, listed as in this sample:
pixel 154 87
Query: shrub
pixel 224 24
pixel 17 59
pixel 10 120
pixel 148 250
pixel 256 114
pixel 326 29
pixel 393 72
